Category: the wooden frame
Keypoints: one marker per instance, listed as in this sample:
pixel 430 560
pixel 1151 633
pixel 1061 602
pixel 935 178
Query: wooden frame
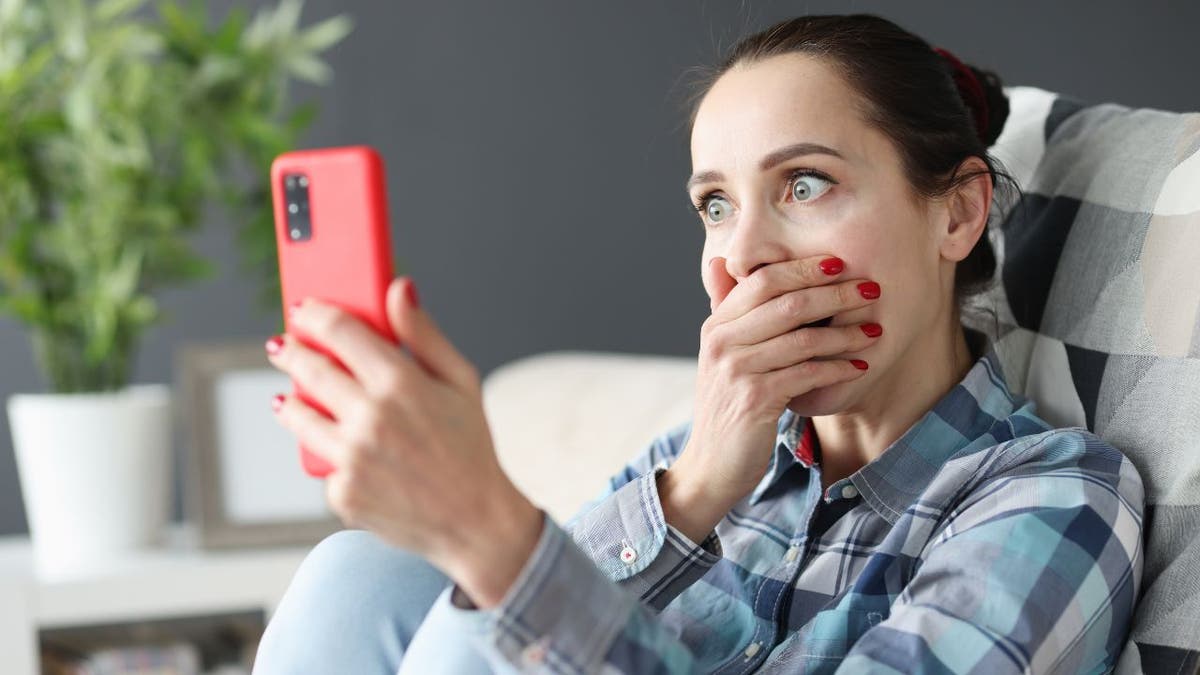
pixel 199 369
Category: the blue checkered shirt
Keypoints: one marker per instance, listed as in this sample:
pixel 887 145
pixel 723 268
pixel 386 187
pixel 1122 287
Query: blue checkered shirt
pixel 982 540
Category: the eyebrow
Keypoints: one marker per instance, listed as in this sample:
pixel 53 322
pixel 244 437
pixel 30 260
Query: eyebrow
pixel 775 158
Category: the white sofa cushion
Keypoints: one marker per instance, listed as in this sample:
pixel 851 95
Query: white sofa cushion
pixel 563 422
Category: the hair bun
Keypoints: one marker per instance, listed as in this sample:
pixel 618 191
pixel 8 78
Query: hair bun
pixel 997 103
pixel 982 91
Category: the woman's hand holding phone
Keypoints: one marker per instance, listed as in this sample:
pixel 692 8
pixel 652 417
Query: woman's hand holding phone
pixel 756 354
pixel 413 456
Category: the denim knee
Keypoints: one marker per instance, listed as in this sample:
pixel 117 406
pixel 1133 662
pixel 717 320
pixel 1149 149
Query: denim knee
pixel 352 606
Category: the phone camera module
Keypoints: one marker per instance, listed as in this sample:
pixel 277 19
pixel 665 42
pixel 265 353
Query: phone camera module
pixel 299 224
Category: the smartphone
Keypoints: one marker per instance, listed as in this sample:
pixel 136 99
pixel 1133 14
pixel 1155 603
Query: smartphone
pixel 332 231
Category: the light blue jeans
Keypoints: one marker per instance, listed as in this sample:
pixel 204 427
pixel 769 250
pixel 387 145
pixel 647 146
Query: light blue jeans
pixel 360 605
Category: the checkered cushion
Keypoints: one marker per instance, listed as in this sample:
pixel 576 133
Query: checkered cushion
pixel 1097 309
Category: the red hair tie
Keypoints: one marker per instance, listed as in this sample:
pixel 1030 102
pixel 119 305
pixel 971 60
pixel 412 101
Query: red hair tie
pixel 969 85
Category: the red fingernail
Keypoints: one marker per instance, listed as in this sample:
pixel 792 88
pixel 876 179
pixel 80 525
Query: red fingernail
pixel 412 294
pixel 869 290
pixel 872 329
pixel 831 266
pixel 277 402
pixel 858 363
pixel 274 345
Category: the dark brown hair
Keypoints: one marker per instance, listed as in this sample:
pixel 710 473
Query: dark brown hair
pixel 908 92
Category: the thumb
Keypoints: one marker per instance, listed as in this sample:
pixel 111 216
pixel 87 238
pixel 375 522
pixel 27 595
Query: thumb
pixel 721 282
pixel 416 329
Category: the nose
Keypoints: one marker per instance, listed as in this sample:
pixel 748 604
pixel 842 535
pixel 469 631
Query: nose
pixel 757 240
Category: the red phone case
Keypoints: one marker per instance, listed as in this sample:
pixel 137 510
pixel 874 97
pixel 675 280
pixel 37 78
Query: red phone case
pixel 348 259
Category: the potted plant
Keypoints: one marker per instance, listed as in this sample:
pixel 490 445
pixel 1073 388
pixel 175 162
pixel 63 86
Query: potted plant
pixel 120 125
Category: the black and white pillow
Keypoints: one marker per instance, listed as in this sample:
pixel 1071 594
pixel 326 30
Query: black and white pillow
pixel 1097 311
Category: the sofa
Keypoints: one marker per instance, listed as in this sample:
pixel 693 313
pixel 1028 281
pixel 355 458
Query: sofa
pixel 1096 313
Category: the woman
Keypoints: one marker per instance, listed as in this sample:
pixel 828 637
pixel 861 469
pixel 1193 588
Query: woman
pixel 857 490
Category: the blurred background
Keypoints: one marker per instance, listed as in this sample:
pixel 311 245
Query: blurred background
pixel 536 154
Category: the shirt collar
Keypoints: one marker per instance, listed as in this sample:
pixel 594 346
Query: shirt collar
pixel 968 415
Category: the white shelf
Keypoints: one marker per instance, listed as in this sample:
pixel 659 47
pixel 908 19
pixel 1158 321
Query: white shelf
pixel 175 580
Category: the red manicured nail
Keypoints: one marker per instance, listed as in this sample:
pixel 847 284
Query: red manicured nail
pixel 869 290
pixel 411 290
pixel 872 329
pixel 858 363
pixel 274 345
pixel 277 402
pixel 831 266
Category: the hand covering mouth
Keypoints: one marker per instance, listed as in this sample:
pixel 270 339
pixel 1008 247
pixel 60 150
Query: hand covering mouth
pixel 819 323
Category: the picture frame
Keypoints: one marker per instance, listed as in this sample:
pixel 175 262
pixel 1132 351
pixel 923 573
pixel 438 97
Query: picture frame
pixel 243 482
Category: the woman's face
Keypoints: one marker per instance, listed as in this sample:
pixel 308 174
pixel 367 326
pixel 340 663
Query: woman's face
pixel 862 213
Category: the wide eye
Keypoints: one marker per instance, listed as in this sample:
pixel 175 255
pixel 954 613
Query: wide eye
pixel 717 209
pixel 807 186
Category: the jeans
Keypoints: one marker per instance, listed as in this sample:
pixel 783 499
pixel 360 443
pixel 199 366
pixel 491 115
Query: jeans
pixel 360 605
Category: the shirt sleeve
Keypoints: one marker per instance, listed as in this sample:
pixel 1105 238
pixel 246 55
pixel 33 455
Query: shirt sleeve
pixel 562 614
pixel 625 534
pixel 590 593
pixel 1037 571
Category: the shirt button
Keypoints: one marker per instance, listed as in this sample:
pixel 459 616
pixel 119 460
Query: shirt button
pixel 628 555
pixel 752 649
pixel 849 492
pixel 535 652
pixel 792 553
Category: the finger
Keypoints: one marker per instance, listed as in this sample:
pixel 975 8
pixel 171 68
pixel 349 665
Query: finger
pixel 372 359
pixel 801 378
pixel 321 379
pixel 315 431
pixel 787 312
pixel 720 281
pixel 803 344
pixel 428 345
pixel 776 279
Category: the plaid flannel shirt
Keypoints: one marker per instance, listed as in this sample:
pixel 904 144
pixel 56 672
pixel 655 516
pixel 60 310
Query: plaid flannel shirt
pixel 982 540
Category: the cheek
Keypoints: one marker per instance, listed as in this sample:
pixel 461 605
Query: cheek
pixel 866 255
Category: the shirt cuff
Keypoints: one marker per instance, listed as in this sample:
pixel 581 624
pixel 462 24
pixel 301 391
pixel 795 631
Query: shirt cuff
pixel 560 612
pixel 629 540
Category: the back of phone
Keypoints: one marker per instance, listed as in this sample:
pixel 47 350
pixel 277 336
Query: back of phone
pixel 331 227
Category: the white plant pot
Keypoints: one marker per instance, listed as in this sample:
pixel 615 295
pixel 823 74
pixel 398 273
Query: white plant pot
pixel 94 471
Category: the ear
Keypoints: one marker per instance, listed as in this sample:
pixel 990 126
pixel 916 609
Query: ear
pixel 966 211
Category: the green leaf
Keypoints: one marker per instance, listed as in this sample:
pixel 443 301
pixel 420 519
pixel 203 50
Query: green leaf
pixel 69 18
pixel 309 68
pixel 179 28
pixel 107 10
pixel 10 10
pixel 141 311
pixel 226 39
pixel 286 18
pixel 121 283
pixel 27 308
pixel 301 118
pixel 326 33
pixel 217 69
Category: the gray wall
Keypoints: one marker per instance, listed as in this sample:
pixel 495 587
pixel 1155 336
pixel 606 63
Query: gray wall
pixel 536 158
